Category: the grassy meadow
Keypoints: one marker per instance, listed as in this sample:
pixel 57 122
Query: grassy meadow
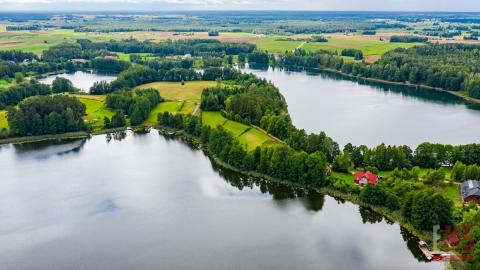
pixel 96 110
pixel 371 48
pixel 167 106
pixel 248 136
pixel 38 41
pixel 191 90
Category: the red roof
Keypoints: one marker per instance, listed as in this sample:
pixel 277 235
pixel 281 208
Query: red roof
pixel 371 177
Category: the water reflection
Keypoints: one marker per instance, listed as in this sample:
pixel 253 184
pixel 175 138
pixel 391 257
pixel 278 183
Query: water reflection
pixel 359 112
pixel 49 148
pixel 83 80
pixel 150 202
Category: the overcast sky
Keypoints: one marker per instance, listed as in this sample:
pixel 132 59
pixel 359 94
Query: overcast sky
pixel 158 5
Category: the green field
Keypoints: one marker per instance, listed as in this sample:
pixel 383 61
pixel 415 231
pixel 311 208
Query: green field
pixel 248 136
pixel 5 84
pixel 169 106
pixel 38 41
pixel 371 48
pixel 452 192
pixel 176 91
pixel 253 138
pixel 346 178
pixel 367 46
pixel 213 119
pixel 96 110
pixel 235 128
pixel 3 120
pixel 188 108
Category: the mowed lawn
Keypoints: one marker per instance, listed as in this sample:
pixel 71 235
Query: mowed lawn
pixel 253 138
pixel 248 136
pixel 191 90
pixel 452 192
pixel 96 110
pixel 3 120
pixel 167 106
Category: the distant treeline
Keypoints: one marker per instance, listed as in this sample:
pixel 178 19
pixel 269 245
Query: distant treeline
pixel 453 67
pixel 22 27
pixel 408 39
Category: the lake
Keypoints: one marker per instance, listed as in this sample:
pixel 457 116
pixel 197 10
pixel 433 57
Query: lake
pixel 80 79
pixel 128 201
pixel 373 113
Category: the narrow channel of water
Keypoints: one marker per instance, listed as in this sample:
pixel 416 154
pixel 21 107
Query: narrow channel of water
pixel 148 202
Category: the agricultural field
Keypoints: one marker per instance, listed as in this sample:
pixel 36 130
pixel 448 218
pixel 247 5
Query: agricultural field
pixel 38 41
pixel 271 44
pixel 253 138
pixel 248 136
pixel 3 120
pixel 176 91
pixel 161 36
pixel 371 47
pixel 188 107
pixel 96 110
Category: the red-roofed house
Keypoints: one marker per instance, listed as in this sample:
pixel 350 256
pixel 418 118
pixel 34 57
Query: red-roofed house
pixel 363 178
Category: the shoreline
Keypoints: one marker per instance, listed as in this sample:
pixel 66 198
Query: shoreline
pixel 464 98
pixel 63 136
pixel 165 131
pixel 352 198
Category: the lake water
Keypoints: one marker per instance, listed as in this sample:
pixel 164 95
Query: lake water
pixel 372 113
pixel 149 202
pixel 80 79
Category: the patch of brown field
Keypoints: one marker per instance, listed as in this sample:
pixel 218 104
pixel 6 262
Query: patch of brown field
pixel 372 58
pixel 11 43
pixel 161 36
pixel 91 97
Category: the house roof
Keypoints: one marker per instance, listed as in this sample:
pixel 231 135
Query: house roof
pixel 371 177
pixel 470 188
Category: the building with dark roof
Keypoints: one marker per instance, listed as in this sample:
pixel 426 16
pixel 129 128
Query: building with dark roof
pixel 471 191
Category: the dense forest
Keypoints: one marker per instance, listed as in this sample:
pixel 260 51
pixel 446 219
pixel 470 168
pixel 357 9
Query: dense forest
pixel 47 115
pixel 136 104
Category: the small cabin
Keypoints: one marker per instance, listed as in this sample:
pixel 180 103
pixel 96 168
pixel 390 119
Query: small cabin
pixel 364 178
pixel 471 191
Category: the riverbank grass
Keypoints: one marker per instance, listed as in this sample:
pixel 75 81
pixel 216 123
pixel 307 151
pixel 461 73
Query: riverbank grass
pixel 191 90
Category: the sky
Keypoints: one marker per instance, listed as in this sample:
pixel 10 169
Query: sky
pixel 160 5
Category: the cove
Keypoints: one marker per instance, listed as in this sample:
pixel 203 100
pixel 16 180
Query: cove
pixel 80 79
pixel 373 113
pixel 129 201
